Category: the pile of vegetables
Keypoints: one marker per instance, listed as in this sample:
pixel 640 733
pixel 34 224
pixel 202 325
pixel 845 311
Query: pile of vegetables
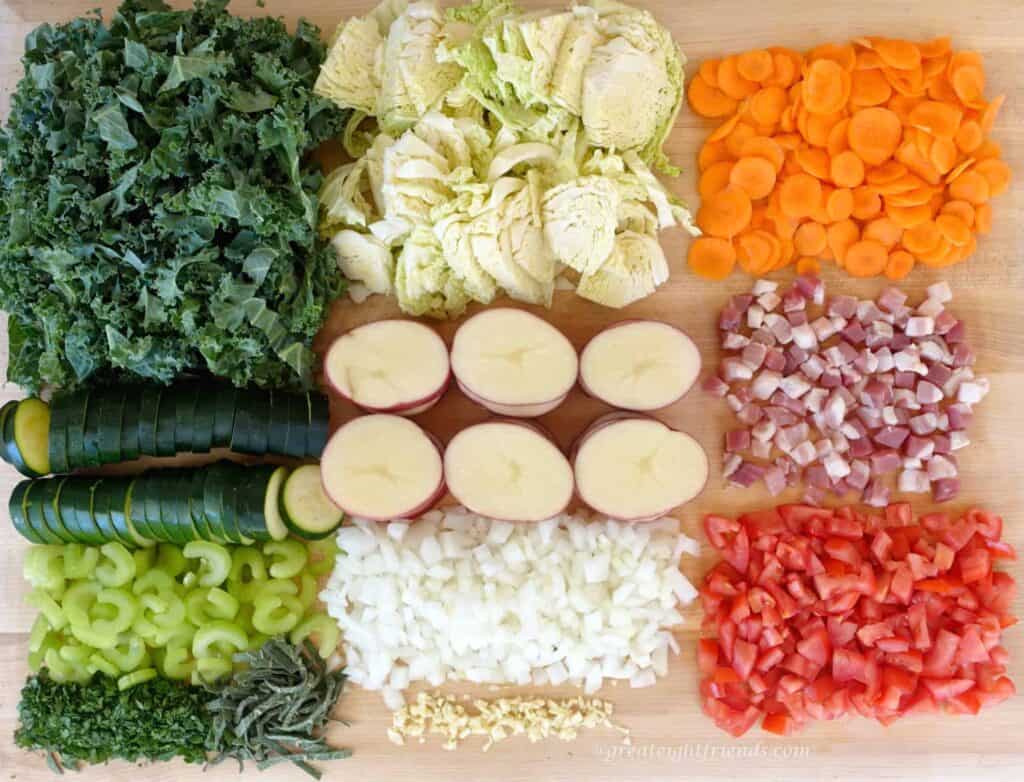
pixel 844 393
pixel 274 711
pixel 156 211
pixel 819 612
pixel 179 613
pixel 873 154
pixel 498 150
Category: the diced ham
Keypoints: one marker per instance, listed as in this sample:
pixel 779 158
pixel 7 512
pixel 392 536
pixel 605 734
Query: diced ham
pixel 823 448
pixel 972 392
pixel 940 467
pixel 779 327
pixel 817 476
pixel 715 386
pixel 769 301
pixel 811 288
pixel 956 333
pixel 760 449
pixel 836 466
pixel 804 453
pixel 891 299
pixel 886 461
pixel 781 416
pixel 762 286
pixel 944 322
pixel 943 444
pixel 923 424
pixel 870 416
pixel 775 480
pixel 879 333
pixel 891 436
pixel 823 328
pixel 813 368
pixel 755 316
pixel 900 341
pixel 945 489
pixel 958 440
pixel 876 494
pixel 906 399
pixel 912 464
pixel 734 402
pixel 747 474
pixel 929 393
pixel 804 336
pixel 854 333
pixel 813 496
pixel 938 374
pixel 919 447
pixel 734 341
pixel 914 482
pixel 731 464
pixel 795 386
pixel 868 312
pixel 963 356
pixel 860 474
pixel 737 440
pixel 764 336
pixel 886 363
pixel 734 369
pixel 940 292
pixel 765 430
pixel 831 378
pixel 793 301
pixel 753 355
pixel 930 308
pixel 919 327
pixel 750 414
pixel 959 415
pixel 843 306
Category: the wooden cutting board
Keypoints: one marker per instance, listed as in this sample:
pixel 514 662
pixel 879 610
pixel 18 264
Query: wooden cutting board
pixel 672 739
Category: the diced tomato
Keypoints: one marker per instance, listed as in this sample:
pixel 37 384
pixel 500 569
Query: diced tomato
pixel 920 567
pixel 902 585
pixel 989 525
pixel 881 546
pixel 725 675
pixel 797 516
pixel 707 655
pixel 959 534
pixel 732 721
pixel 843 550
pixel 744 657
pixel 893 645
pixel 779 724
pixel 801 666
pixel 848 665
pixel 844 528
pixel 944 689
pixel 727 637
pixel 912 661
pixel 816 647
pixel 974 566
pixel 1000 549
pixel 920 702
pixel 1002 690
pixel 997 592
pixel 720 530
pixel 918 620
pixel 770 658
pixel 792 556
pixel 899 514
pixel 942 586
pixel 764 522
pixel 841 632
pixel 944 556
pixel 971 649
pixel 936 523
pixel 939 661
pixel 739 608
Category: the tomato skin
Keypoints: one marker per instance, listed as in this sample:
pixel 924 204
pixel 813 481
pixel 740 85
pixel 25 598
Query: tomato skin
pixel 779 724
pixel 989 525
pixel 975 566
pixel 899 514
pixel 707 655
pixel 944 689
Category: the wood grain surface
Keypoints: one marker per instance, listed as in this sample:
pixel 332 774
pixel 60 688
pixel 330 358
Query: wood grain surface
pixel 671 737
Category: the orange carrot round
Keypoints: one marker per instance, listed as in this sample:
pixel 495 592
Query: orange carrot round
pixel 715 179
pixel 953 229
pixel 899 265
pixel 841 236
pixel 970 186
pixel 767 105
pixel 866 203
pixel 732 82
pixel 847 170
pixel 709 101
pixel 711 257
pixel 800 194
pixel 903 55
pixel 755 65
pixel 840 204
pixel 884 231
pixel 922 238
pixel 764 147
pixel 826 87
pixel 808 265
pixel 996 173
pixel 810 238
pixel 725 213
pixel 874 133
pixel 754 175
pixel 866 258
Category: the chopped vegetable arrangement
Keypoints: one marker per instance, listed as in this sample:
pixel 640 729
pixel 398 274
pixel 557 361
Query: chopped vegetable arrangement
pixel 845 392
pixel 499 150
pixel 873 154
pixel 157 209
pixel 817 613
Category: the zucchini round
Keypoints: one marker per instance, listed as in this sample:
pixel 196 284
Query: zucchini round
pixel 276 527
pixel 17 511
pixel 305 507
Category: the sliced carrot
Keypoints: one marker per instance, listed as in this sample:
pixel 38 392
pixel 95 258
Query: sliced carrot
pixel 939 119
pixel 738 137
pixel 810 238
pixel 787 254
pixel 988 149
pixel 961 209
pixel 808 265
pixel 710 153
pixel 983 218
pixel 753 175
pixel 970 186
pixel 911 156
pixel 866 203
pixel 709 72
pixel 907 217
pixel 874 134
pixel 826 87
pixel 711 257
pixel 785 67
pixel 997 173
pixel 895 53
pixel 866 258
pixel 725 213
pixel 955 230
pixel 715 179
pixel 884 231
pixel 722 131
pixel 709 101
pixel 933 68
pixel 939 88
pixel 841 236
pixel 903 184
pixel 902 105
pixel 969 85
pixel 869 88
pixel 889 171
pixel 755 65
pixel 800 194
pixel 944 154
pixel 785 227
pixel 759 216
pixel 757 252
pixel 899 265
pixel 814 161
pixel 915 197
pixel 969 136
pixel 839 205
pixel 868 59
pixel 990 112
pixel 959 169
pixel 767 105
pixel 939 256
pixel 836 141
pixel 819 127
pixel 846 169
pixel 842 55
pixel 731 82
pixel 764 147
pixel 908 83
pixel 788 141
pixel 936 47
pixel 922 238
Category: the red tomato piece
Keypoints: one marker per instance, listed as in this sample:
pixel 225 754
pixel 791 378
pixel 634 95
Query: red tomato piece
pixel 899 514
pixel 707 655
pixel 974 565
pixel 735 722
pixel 849 665
pixel 720 529
pixel 939 661
pixel 797 516
pixel 779 724
pixel 816 647
pixel 764 522
pixel 944 689
pixel 881 546
pixel 959 534
pixel 971 649
pixel 743 658
pixel 989 525
pixel 912 661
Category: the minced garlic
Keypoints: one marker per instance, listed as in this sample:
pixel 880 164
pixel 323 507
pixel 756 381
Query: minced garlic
pixel 500 718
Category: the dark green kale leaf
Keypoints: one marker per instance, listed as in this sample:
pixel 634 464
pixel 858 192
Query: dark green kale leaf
pixel 157 206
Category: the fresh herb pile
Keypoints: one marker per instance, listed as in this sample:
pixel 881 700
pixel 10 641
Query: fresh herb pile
pixel 271 713
pixel 156 212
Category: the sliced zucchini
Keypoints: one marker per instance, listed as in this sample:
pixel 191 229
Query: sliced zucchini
pixel 34 513
pixel 149 412
pixel 59 415
pixel 135 508
pixel 117 503
pixel 8 448
pixel 174 511
pixel 206 414
pixel 276 527
pixel 51 509
pixel 298 426
pixel 319 424
pixel 250 494
pixel 277 422
pixel 130 426
pixel 100 500
pixel 165 424
pixel 26 435
pixel 305 508
pixel 154 510
pixel 111 426
pixel 91 440
pixel 185 398
pixel 16 509
pixel 78 411
pixel 214 487
pixel 196 508
pixel 225 408
pixel 76 511
pixel 250 435
pixel 131 512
